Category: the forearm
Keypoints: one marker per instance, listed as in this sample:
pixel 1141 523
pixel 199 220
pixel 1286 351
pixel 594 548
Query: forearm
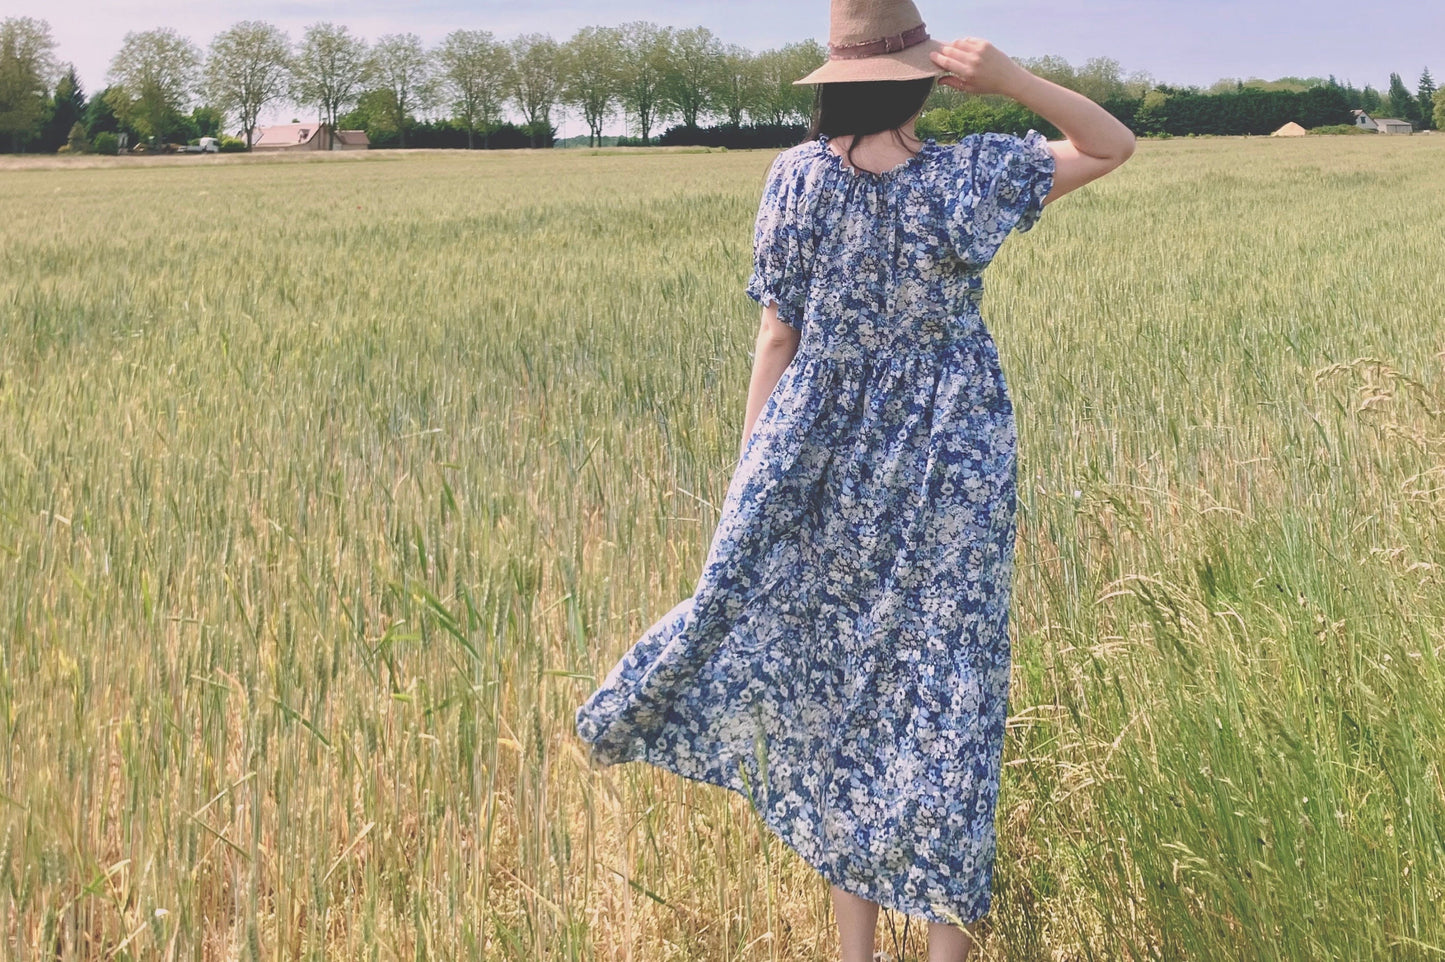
pixel 771 357
pixel 1090 128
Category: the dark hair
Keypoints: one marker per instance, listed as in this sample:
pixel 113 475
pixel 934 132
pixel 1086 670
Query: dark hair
pixel 863 107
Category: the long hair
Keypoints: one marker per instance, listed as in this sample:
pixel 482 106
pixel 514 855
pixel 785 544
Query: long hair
pixel 863 107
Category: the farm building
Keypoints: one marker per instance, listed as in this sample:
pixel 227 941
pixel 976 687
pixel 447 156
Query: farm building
pixel 1364 121
pixel 1390 125
pixel 307 137
pixel 1290 129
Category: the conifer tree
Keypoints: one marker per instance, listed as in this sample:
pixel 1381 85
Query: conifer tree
pixel 67 108
pixel 1425 95
pixel 1401 103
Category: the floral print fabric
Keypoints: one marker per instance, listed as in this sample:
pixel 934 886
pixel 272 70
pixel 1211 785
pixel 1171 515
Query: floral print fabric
pixel 844 660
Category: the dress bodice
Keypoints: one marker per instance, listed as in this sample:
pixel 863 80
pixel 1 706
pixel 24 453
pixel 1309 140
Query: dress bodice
pixel 873 263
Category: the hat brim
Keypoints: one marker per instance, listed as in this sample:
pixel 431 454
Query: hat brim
pixel 910 64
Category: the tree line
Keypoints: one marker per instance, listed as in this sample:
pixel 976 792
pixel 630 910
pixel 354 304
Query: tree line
pixel 1229 107
pixel 162 87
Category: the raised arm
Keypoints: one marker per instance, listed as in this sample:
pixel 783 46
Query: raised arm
pixel 1095 140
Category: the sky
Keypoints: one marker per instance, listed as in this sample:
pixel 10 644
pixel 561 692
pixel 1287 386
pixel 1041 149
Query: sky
pixel 1180 42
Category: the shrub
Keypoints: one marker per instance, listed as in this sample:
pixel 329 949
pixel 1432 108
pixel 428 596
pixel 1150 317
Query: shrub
pixel 75 141
pixel 106 143
pixel 231 145
pixel 1245 111
pixel 1338 129
pixel 978 115
pixel 936 123
pixel 756 136
pixel 451 135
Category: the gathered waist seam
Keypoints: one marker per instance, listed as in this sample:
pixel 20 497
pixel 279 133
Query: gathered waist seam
pixel 962 341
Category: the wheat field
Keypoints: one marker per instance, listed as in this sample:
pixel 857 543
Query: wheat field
pixel 329 488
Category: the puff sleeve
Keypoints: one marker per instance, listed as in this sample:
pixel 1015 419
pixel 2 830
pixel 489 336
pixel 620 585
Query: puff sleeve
pixel 1003 180
pixel 782 247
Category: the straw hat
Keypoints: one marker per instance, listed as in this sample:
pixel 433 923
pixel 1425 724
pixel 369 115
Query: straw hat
pixel 876 40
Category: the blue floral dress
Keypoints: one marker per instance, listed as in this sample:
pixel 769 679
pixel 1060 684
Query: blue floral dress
pixel 844 660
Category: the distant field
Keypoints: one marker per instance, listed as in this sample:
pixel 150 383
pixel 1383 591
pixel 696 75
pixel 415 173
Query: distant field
pixel 328 488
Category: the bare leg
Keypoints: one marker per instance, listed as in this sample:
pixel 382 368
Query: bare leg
pixel 857 922
pixel 949 943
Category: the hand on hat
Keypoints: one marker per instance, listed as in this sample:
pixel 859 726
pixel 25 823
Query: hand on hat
pixel 976 66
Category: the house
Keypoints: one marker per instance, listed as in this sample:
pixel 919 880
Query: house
pixel 306 137
pixel 1290 129
pixel 1364 121
pixel 1390 125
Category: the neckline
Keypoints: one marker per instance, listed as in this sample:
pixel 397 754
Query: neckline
pixel 927 143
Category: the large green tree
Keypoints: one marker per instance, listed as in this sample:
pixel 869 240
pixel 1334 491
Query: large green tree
pixel 592 68
pixel 690 85
pixel 1439 111
pixel 401 65
pixel 779 100
pixel 536 82
pixel 1139 83
pixel 154 79
pixel 329 70
pixel 474 69
pixel 248 67
pixel 646 52
pixel 1100 79
pixel 27 66
pixel 737 88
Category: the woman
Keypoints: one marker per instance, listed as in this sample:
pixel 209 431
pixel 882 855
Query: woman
pixel 844 660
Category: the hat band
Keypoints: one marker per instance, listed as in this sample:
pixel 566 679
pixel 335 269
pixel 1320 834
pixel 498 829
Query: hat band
pixel 872 48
